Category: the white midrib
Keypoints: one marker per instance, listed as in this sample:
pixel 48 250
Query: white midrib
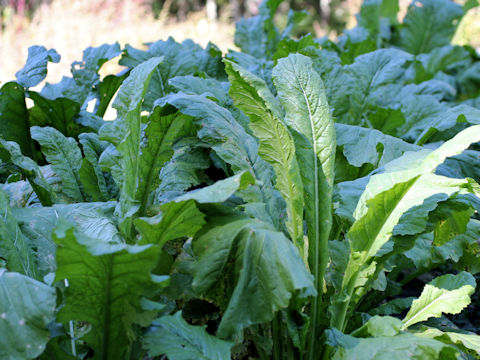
pixel 316 241
pixel 407 323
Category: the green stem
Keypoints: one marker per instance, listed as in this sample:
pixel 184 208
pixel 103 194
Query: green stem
pixel 339 321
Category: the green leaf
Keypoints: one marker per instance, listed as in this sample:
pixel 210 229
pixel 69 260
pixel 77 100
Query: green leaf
pixel 276 146
pixel 128 105
pixel 184 170
pixel 27 307
pixel 221 190
pixel 368 146
pixel 174 337
pixel 376 15
pixel 35 69
pixel 363 84
pixel 175 220
pixel 290 46
pixel 58 113
pixel 65 157
pixel 182 59
pixel 266 265
pixel 406 182
pixel 30 171
pixel 302 94
pixel 429 24
pixel 378 326
pixel 468 342
pixel 14 120
pixel 403 346
pixel 94 181
pixel 14 247
pixel 448 294
pixel 222 133
pixel 38 223
pixel 82 87
pixel 258 36
pixel 105 285
pixel 107 88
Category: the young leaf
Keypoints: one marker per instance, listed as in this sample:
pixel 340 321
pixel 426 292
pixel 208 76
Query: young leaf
pixel 448 294
pixel 174 337
pixel 65 157
pixel 106 282
pixel 252 95
pixel 27 307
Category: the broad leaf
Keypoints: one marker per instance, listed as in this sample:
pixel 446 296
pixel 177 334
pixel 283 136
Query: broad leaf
pixel 35 69
pixel 403 346
pixel 174 337
pixel 233 145
pixel 14 120
pixel 266 266
pixel 27 307
pixel 175 220
pixel 65 157
pixel 14 246
pixel 468 342
pixel 429 24
pixel 94 181
pixel 184 170
pixel 106 282
pixel 30 171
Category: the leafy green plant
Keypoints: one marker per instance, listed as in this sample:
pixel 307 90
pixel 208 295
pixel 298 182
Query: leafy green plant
pixel 298 199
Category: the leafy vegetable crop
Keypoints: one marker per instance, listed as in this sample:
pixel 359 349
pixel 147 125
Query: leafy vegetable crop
pixel 297 199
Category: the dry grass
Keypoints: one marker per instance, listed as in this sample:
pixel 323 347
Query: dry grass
pixel 71 26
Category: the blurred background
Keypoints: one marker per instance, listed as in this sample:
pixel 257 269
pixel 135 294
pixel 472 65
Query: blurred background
pixel 70 26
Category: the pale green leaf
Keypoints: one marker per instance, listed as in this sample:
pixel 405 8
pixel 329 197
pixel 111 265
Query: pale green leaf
pixel 399 347
pixel 447 294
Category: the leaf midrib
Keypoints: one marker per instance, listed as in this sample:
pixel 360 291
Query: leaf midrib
pixel 406 324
